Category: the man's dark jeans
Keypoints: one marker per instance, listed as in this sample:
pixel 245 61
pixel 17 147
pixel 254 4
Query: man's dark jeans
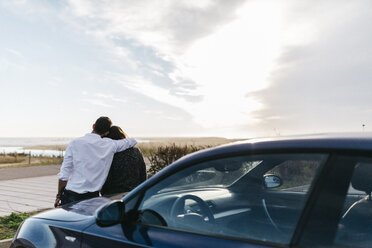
pixel 71 196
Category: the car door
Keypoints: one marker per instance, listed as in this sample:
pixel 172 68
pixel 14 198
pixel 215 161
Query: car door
pixel 213 203
pixel 341 212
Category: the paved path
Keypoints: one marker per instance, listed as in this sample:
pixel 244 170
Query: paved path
pixel 29 188
pixel 27 194
pixel 26 172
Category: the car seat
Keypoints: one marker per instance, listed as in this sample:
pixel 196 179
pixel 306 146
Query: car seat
pixel 356 223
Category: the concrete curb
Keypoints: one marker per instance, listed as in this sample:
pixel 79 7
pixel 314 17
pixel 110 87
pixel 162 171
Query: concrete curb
pixel 5 243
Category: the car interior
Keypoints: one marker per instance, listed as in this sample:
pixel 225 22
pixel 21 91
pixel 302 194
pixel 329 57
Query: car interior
pixel 228 197
pixel 355 227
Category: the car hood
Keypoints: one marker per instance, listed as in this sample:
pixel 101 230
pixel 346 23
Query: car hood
pixel 78 211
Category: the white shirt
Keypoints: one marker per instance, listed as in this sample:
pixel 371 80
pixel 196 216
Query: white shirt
pixel 87 161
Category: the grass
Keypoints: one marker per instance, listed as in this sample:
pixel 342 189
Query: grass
pixel 9 224
pixel 23 160
pixel 149 148
pixel 26 165
pixel 48 147
pixel 10 160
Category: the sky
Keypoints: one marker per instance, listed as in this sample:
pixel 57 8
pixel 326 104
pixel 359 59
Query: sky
pixel 199 68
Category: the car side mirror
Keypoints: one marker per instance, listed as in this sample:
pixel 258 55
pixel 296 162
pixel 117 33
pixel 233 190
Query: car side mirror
pixel 110 214
pixel 272 181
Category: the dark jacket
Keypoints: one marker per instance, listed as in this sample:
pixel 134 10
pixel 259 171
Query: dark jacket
pixel 127 170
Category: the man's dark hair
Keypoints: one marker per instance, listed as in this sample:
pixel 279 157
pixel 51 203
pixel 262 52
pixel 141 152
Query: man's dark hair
pixel 102 125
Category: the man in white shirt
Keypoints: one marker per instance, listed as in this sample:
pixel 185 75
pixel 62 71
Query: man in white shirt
pixel 87 162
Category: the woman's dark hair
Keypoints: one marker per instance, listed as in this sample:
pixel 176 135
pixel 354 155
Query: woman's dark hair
pixel 116 133
pixel 102 125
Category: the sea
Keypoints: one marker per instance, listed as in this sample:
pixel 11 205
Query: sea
pixel 23 145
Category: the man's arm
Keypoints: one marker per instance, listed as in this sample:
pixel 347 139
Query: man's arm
pixel 124 144
pixel 64 174
pixel 61 187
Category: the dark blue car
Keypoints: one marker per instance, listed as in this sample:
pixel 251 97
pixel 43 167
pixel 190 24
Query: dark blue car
pixel 288 192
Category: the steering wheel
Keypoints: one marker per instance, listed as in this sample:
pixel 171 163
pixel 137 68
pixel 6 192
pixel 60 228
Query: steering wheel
pixel 178 207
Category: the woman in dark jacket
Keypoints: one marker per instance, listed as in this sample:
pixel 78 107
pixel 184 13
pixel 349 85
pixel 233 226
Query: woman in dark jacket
pixel 127 170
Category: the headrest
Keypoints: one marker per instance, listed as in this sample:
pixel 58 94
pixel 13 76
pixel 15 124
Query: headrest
pixel 362 177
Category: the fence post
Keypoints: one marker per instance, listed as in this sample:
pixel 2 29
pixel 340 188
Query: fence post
pixel 29 157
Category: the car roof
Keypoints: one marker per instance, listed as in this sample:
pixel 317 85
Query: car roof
pixel 322 142
pixel 357 141
pixel 354 142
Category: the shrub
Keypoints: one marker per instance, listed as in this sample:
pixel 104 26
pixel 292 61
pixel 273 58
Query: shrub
pixel 165 155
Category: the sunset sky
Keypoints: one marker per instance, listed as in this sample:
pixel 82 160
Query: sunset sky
pixel 235 69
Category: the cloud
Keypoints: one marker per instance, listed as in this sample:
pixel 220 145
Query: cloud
pixel 110 97
pixel 103 100
pixel 27 9
pixel 164 24
pixel 143 34
pixel 141 85
pixel 14 52
pixel 323 85
pixel 97 102
pixel 201 56
pixel 214 112
pixel 247 67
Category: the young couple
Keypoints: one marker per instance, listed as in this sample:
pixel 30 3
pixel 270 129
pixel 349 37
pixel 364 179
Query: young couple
pixel 101 162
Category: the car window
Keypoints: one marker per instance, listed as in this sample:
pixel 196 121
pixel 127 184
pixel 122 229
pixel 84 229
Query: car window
pixel 355 226
pixel 296 175
pixel 219 173
pixel 228 197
